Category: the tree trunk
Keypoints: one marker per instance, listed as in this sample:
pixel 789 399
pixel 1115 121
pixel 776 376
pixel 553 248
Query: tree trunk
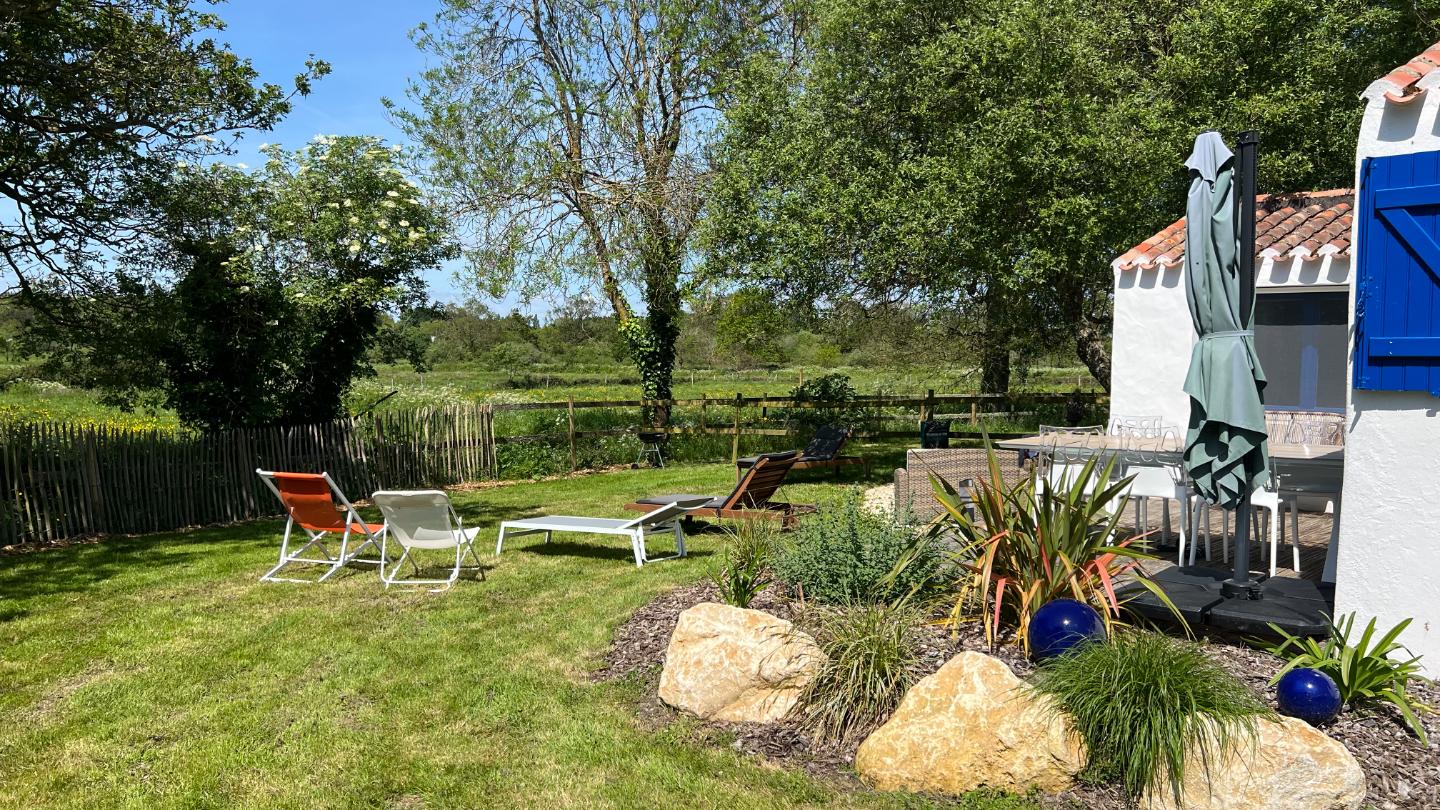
pixel 1090 348
pixel 652 344
pixel 994 365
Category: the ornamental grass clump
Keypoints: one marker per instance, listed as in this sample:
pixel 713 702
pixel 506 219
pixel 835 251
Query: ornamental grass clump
pixel 871 654
pixel 1027 544
pixel 1143 701
pixel 1365 672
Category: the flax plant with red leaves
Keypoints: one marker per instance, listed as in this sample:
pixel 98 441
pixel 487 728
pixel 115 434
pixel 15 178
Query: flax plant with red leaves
pixel 1025 545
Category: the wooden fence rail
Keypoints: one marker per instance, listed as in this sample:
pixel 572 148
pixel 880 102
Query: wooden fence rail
pixel 59 480
pixel 967 408
pixel 62 481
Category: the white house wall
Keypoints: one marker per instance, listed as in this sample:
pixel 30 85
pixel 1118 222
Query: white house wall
pixel 1153 335
pixel 1389 557
pixel 1150 345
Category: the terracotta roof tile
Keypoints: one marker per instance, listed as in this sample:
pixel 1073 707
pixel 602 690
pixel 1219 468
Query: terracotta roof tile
pixel 1305 225
pixel 1408 75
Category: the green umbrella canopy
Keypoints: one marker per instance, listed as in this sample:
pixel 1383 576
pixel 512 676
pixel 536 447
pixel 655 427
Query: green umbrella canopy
pixel 1225 446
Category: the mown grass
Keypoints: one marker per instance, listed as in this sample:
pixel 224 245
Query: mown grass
pixel 157 672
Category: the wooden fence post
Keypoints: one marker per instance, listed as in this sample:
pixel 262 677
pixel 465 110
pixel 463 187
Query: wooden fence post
pixel 927 410
pixel 570 414
pixel 735 444
pixel 974 413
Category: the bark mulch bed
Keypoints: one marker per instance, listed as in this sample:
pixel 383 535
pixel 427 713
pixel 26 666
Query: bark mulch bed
pixel 1400 774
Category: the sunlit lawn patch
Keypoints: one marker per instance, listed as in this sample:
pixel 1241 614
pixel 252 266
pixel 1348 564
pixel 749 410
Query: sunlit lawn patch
pixel 155 671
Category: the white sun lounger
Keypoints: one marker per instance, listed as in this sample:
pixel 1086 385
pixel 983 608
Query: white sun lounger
pixel 662 520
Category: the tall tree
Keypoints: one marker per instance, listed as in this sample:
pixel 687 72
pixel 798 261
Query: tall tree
pixel 99 100
pixel 990 157
pixel 570 137
pixel 280 278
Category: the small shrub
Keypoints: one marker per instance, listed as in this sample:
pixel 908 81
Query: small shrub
pixel 847 554
pixel 1365 673
pixel 871 655
pixel 744 565
pixel 832 398
pixel 1029 544
pixel 1143 701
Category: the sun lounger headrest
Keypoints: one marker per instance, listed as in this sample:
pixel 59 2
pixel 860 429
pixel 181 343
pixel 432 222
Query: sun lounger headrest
pixel 827 442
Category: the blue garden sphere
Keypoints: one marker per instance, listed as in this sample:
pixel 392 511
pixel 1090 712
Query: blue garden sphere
pixel 1061 625
pixel 1310 695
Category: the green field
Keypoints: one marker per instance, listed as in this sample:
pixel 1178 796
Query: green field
pixel 619 382
pixel 157 672
pixel 38 400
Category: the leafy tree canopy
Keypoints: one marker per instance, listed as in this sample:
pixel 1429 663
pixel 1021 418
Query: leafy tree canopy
pixel 571 138
pixel 101 100
pixel 272 288
pixel 989 158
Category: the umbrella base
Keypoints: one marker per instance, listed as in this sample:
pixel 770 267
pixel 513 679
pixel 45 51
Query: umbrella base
pixel 1294 605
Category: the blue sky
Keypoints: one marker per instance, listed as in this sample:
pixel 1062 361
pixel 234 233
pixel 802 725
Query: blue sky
pixel 367 44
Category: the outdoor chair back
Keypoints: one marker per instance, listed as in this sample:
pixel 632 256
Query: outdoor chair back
pixel 827 443
pixel 309 499
pixel 422 520
pixel 934 434
pixel 419 518
pixel 315 504
pixel 761 481
pixel 665 514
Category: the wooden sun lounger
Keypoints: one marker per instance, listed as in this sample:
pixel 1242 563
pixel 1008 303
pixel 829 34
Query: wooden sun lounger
pixel 750 500
pixel 822 451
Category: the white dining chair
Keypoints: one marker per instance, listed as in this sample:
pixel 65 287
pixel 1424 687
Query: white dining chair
pixel 1267 499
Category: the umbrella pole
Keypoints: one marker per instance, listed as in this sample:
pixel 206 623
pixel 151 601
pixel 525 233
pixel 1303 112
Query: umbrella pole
pixel 1240 584
pixel 1248 142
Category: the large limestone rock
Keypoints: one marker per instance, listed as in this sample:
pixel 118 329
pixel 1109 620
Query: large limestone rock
pixel 1289 766
pixel 728 663
pixel 972 724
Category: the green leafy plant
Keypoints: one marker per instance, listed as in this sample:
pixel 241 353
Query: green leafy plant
pixel 1143 701
pixel 1028 544
pixel 830 399
pixel 848 554
pixel 744 567
pixel 870 658
pixel 1364 671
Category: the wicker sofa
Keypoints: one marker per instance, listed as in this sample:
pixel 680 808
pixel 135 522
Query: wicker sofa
pixel 915 500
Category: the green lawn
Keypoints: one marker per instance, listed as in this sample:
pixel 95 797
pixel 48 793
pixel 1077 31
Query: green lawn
pixel 156 671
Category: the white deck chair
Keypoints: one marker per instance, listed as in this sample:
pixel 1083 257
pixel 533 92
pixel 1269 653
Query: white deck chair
pixel 314 503
pixel 424 520
pixel 663 519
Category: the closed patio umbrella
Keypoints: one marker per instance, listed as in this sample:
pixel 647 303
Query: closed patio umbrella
pixel 1225 445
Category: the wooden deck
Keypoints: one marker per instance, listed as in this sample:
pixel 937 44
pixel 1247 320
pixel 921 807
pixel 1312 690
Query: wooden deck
pixel 1314 540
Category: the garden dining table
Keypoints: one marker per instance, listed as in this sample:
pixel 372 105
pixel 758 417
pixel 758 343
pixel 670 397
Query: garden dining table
pixel 1301 466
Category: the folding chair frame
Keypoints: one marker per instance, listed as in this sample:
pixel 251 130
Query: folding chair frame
pixel 316 539
pixel 464 542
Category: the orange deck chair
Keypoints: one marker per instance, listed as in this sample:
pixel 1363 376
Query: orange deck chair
pixel 315 504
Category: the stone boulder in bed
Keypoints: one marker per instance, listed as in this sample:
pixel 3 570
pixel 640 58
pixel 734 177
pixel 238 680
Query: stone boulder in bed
pixel 738 665
pixel 972 724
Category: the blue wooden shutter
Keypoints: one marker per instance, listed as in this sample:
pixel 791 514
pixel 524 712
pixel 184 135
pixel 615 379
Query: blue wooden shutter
pixel 1397 301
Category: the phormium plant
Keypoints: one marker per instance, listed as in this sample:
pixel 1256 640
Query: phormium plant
pixel 1364 672
pixel 744 565
pixel 1029 544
